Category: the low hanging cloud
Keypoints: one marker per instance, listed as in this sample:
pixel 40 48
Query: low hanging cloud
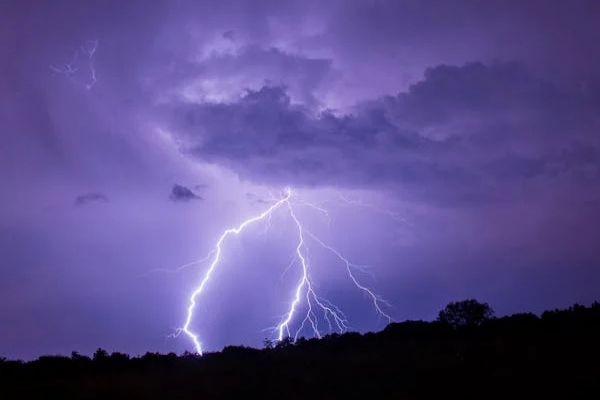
pixel 90 198
pixel 463 133
pixel 183 193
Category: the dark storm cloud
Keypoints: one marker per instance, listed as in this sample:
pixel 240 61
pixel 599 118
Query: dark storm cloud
pixel 90 198
pixel 454 134
pixel 183 193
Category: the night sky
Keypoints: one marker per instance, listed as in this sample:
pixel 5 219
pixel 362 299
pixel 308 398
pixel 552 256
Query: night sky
pixel 455 146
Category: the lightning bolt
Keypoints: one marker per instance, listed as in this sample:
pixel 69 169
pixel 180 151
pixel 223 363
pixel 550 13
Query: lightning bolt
pixel 69 69
pixel 218 250
pixel 304 294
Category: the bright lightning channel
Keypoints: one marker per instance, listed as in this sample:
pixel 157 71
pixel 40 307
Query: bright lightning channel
pixel 304 291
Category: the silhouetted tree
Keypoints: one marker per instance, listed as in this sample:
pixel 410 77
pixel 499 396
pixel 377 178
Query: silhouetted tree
pixel 189 355
pixel 268 344
pixel 100 355
pixel 117 358
pixel 465 313
pixel 300 341
pixel 284 343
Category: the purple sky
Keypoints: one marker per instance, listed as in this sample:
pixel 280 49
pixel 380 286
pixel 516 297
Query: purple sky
pixel 476 122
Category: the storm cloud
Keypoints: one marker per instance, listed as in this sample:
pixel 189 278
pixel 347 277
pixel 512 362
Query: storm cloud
pixel 463 132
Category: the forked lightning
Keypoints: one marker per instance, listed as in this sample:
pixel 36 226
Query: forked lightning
pixel 304 293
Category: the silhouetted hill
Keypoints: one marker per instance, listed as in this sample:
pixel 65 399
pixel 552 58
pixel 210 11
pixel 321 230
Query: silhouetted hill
pixel 478 357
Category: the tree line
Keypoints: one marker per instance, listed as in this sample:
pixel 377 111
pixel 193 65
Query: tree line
pixel 466 352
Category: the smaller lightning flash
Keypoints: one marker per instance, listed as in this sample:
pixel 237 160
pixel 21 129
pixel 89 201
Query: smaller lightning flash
pixel 70 70
pixel 90 50
pixel 393 215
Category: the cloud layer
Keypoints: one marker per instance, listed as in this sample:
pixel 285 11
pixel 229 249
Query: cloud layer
pixel 466 132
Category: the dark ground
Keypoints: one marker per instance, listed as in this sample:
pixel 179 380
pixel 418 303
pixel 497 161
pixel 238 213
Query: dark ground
pixel 520 356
